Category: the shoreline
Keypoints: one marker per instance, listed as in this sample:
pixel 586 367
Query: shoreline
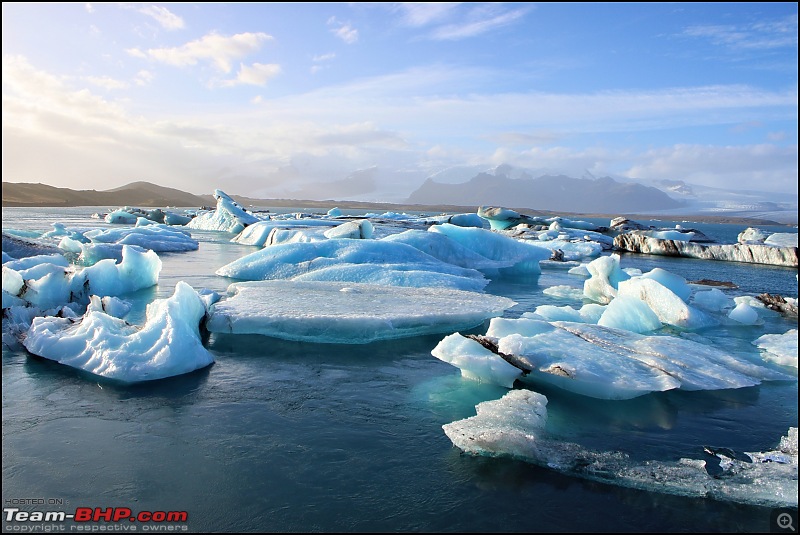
pixel 255 204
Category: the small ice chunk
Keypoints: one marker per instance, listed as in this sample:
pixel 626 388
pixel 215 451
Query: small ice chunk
pixel 605 278
pixel 475 361
pixel 744 314
pixel 779 348
pixel 714 300
pixel 564 291
pixel 352 229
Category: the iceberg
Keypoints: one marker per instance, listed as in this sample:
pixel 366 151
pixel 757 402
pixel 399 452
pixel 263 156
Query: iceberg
pixel 121 217
pixel 515 426
pixel 737 252
pixel 713 300
pixel 17 247
pixel 779 348
pixel 630 314
pixel 168 344
pixel 608 363
pixel 263 233
pixel 227 217
pixel 525 257
pixel 347 313
pixel 502 218
pixel 154 236
pixel 448 250
pixel 352 229
pixel 605 276
pixel 669 307
pixel 344 260
pixel 744 314
pixel 475 361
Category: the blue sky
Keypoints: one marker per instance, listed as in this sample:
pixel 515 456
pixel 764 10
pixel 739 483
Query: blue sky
pixel 291 99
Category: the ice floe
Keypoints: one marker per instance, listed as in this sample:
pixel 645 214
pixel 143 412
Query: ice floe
pixel 347 313
pixel 516 426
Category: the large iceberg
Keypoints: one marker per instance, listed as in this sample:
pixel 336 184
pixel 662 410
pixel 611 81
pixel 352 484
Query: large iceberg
pixel 516 426
pixel 263 233
pixel 346 313
pixel 352 261
pixel 608 363
pixel 167 344
pixel 228 216
pixel 738 252
pixel 525 256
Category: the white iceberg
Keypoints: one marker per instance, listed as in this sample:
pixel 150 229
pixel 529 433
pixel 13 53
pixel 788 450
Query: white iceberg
pixel 608 363
pixel 227 217
pixel 516 426
pixel 713 300
pixel 361 229
pixel 605 276
pixel 347 313
pixel 475 361
pixel 263 233
pixel 168 344
pixel 744 314
pixel 779 348
pixel 669 307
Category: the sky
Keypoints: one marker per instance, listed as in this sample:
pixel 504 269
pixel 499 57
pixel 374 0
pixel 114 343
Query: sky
pixel 367 100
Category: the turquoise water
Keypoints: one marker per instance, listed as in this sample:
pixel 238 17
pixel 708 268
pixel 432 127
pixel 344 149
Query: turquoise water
pixel 287 436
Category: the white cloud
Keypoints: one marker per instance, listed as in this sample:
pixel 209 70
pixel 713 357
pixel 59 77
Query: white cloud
pixel 75 138
pixel 343 31
pixel 324 57
pixel 164 17
pixel 764 35
pixel 418 14
pixel 757 167
pixel 143 78
pixel 257 74
pixel 89 8
pixel 106 82
pixel 471 28
pixel 219 50
pixel 136 53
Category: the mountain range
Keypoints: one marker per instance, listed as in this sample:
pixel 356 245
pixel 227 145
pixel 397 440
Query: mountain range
pixel 559 193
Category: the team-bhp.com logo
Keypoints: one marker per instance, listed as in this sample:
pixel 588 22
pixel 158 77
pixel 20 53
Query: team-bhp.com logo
pixel 94 519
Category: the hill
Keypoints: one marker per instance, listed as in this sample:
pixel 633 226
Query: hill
pixel 142 194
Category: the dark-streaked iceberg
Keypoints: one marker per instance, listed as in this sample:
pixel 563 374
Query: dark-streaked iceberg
pixel 603 362
pixel 737 252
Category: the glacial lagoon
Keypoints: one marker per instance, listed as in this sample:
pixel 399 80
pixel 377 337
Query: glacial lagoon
pixel 282 435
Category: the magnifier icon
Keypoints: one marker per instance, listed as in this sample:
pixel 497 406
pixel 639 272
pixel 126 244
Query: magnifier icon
pixel 784 521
